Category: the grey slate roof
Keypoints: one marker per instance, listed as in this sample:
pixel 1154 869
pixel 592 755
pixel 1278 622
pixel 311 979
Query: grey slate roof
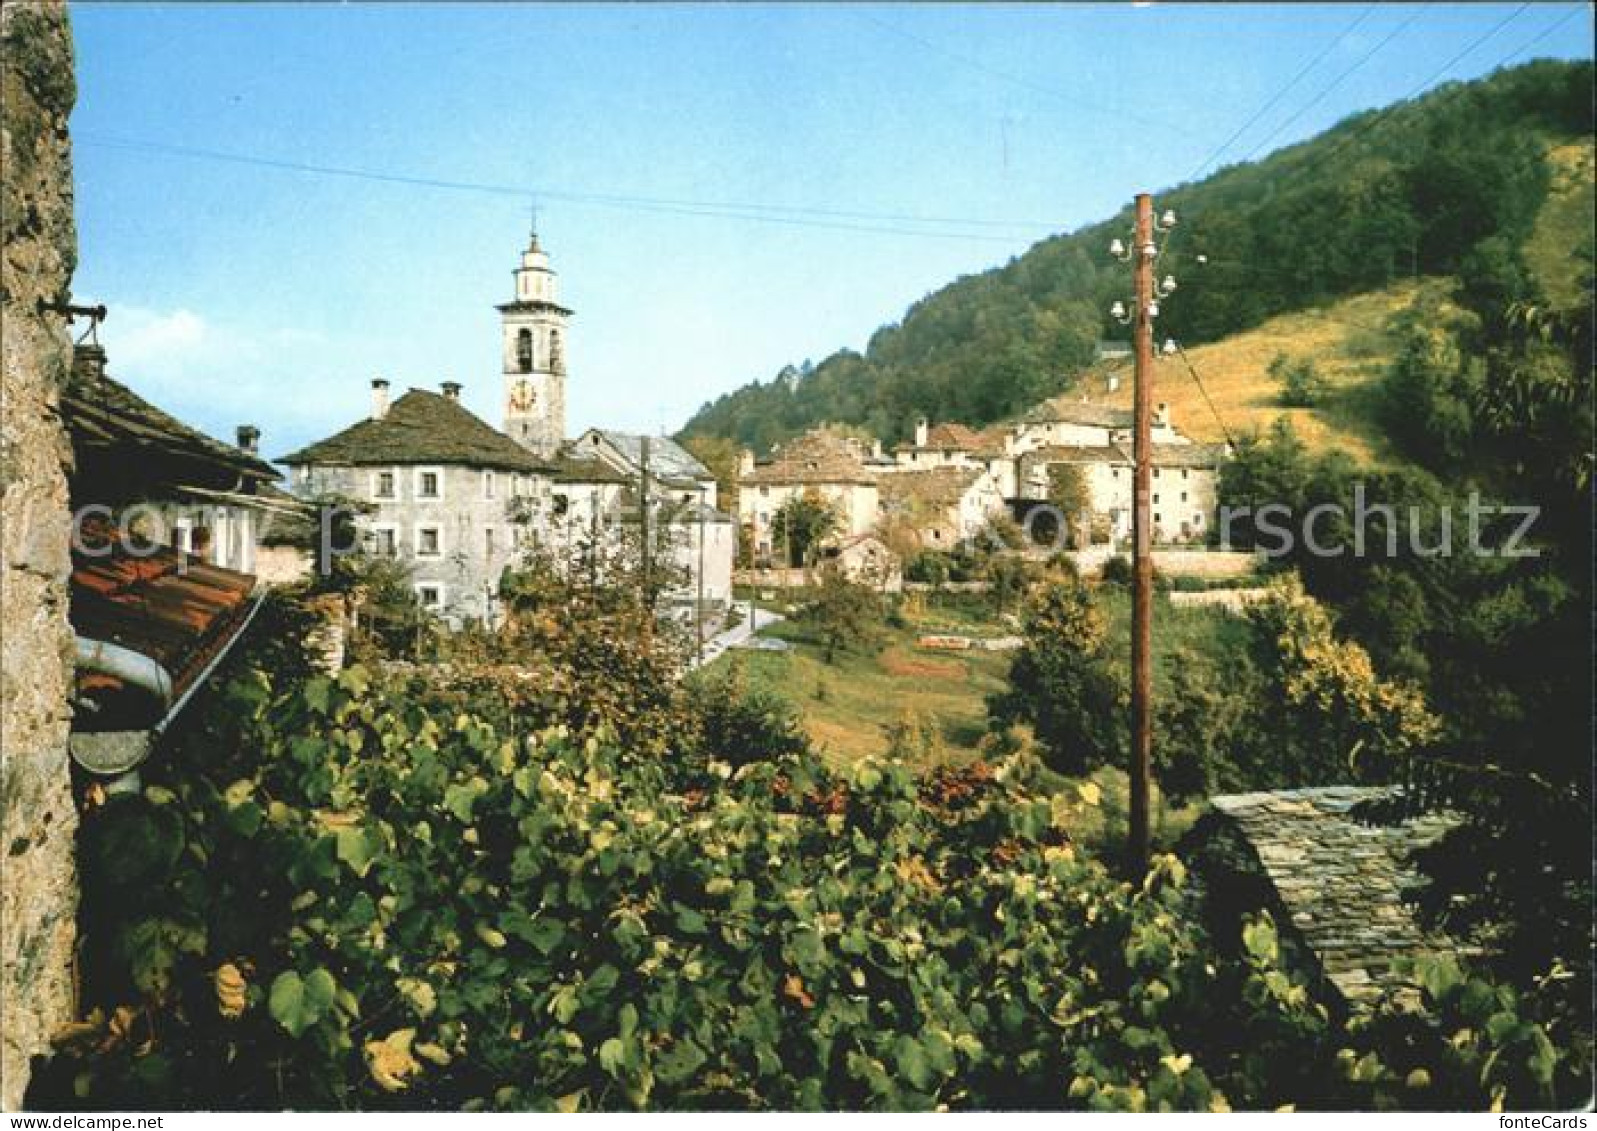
pixel 1164 455
pixel 1343 881
pixel 101 412
pixel 667 458
pixel 420 427
pixel 1066 410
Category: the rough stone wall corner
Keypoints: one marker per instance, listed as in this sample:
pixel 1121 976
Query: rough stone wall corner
pixel 38 883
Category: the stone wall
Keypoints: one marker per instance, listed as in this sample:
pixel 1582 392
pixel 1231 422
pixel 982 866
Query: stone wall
pixel 38 891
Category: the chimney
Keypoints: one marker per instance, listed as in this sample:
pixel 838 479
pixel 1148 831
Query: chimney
pixel 745 463
pixel 921 430
pixel 88 361
pixel 876 450
pixel 451 389
pixel 379 397
pixel 249 439
pixel 1161 415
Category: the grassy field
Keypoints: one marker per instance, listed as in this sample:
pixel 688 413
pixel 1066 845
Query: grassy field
pixel 1348 344
pixel 1563 229
pixel 849 707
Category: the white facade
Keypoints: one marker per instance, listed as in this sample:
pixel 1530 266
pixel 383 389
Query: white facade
pixel 453 526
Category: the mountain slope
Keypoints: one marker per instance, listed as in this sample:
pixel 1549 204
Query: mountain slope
pixel 1404 192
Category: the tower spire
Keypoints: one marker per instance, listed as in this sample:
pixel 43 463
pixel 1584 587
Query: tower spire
pixel 532 226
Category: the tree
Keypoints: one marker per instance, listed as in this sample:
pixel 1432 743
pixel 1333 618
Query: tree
pixel 1063 682
pixel 1302 385
pixel 845 615
pixel 802 523
pixel 722 457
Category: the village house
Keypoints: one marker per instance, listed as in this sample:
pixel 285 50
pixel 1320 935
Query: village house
pixel 955 445
pixel 167 526
pixel 175 486
pixel 866 560
pixel 821 465
pixel 1184 479
pixel 672 469
pixel 437 486
pixel 458 501
pixel 943 505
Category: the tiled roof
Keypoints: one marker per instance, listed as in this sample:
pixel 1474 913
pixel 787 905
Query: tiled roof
pixel 819 456
pixel 937 488
pixel 101 412
pixel 1343 880
pixel 172 607
pixel 420 427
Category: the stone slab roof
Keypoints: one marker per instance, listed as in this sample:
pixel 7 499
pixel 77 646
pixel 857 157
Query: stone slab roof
pixel 667 458
pixel 571 468
pixel 102 413
pixel 420 427
pixel 937 488
pixel 1069 410
pixel 1164 455
pixel 1344 881
pixel 820 456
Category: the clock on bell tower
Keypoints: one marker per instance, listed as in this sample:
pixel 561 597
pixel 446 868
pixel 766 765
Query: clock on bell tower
pixel 533 330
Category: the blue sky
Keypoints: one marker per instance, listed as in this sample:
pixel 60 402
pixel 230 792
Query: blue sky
pixel 241 290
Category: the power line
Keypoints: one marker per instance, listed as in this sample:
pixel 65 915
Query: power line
pixel 1382 116
pixel 1336 82
pixel 1215 412
pixel 791 215
pixel 1282 93
pixel 1517 52
pixel 1119 113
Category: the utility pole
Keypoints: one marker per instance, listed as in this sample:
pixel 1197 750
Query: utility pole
pixel 699 606
pixel 643 517
pixel 1142 253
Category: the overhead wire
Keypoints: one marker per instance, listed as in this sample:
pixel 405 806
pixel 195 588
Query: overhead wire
pixel 796 215
pixel 1284 91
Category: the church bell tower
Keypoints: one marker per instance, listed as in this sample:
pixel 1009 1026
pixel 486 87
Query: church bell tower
pixel 533 333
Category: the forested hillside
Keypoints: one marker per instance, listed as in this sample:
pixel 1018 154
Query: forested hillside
pixel 1411 190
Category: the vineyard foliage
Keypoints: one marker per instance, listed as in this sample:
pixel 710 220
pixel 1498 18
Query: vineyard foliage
pixel 382 890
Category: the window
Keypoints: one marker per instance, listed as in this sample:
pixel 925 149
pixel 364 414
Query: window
pixel 429 542
pixel 524 350
pixel 489 487
pixel 429 483
pixel 385 485
pixel 765 491
pixel 430 596
pixel 556 359
pixel 1183 496
pixel 1183 473
pixel 1197 520
pixel 304 473
pixel 488 541
pixel 1156 498
pixel 1156 473
pixel 385 541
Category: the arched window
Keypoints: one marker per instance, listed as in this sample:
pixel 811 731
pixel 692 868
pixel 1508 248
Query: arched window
pixel 556 361
pixel 524 350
